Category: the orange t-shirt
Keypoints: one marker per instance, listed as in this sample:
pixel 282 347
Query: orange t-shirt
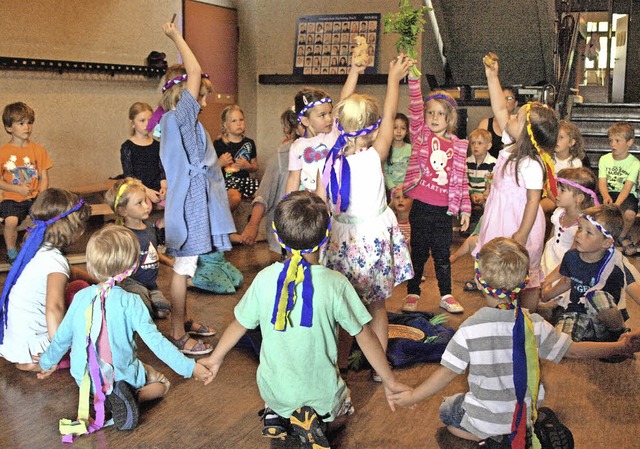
pixel 22 166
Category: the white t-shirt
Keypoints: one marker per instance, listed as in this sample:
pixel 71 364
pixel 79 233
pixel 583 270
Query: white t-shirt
pixel 26 333
pixel 308 154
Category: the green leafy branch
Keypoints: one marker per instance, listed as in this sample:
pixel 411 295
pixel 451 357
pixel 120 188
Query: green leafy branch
pixel 408 22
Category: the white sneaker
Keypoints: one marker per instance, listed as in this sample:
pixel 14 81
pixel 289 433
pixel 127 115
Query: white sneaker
pixel 449 303
pixel 410 303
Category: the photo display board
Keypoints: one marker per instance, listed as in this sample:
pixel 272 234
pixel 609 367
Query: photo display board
pixel 324 43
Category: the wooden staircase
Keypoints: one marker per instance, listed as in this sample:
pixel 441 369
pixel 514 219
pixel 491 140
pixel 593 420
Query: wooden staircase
pixel 594 119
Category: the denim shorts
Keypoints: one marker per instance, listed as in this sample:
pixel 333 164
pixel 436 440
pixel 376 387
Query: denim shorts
pixel 451 411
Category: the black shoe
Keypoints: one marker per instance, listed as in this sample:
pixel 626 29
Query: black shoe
pixel 275 426
pixel 306 424
pixel 551 432
pixel 123 405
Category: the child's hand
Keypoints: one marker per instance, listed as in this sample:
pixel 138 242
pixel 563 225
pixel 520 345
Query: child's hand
pixel 202 374
pixel 399 67
pixel 631 340
pixel 249 234
pixel 606 199
pixel 170 30
pixel 225 159
pixel 23 190
pixel 43 374
pixel 212 364
pixel 403 399
pixel 519 237
pixel 243 164
pixel 464 223
pixel 490 61
pixel 153 195
pixel 359 67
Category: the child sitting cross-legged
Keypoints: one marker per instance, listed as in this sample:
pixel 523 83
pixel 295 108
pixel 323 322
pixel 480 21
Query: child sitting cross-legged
pixel 298 377
pixel 504 376
pixel 597 276
pixel 103 350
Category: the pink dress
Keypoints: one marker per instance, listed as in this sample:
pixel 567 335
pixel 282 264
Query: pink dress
pixel 505 208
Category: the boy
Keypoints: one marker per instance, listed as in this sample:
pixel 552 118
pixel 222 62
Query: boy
pixel 298 374
pixel 479 165
pixel 617 176
pixel 485 344
pixel 598 277
pixel 24 172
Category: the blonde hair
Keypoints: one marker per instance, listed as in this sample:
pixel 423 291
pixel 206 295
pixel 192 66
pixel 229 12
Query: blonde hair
pixel 53 202
pixel 172 95
pixel 224 116
pixel 503 263
pixel 449 106
pixel 110 251
pixel 480 133
pixel 135 109
pixel 623 128
pixel 577 149
pixel 356 112
pixel 111 195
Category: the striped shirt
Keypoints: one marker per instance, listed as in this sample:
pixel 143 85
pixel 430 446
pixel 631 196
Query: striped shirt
pixel 477 173
pixel 484 344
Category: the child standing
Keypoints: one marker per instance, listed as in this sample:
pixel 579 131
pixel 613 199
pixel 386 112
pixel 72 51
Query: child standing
pixel 128 200
pixel 365 243
pixel 576 192
pixel 195 188
pixel 24 169
pixel 480 165
pixel 37 291
pixel 140 154
pixel 297 375
pixel 503 374
pixel 307 155
pixel 437 182
pixel 237 156
pixel 617 178
pixel 513 206
pixel 598 278
pixel 103 350
pixel 401 206
pixel 395 166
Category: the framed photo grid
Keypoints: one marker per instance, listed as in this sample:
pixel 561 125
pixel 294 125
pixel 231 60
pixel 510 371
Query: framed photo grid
pixel 325 43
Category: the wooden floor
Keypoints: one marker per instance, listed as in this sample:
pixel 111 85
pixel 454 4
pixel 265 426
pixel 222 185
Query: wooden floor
pixel 598 401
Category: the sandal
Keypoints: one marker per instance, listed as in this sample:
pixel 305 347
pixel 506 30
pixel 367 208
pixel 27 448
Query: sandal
pixel 550 431
pixel 470 285
pixel 629 249
pixel 198 330
pixel 199 348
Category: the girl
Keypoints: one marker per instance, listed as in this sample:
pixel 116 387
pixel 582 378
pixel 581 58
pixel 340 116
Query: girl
pixel 437 181
pixel 513 206
pixel 36 292
pixel 99 329
pixel 140 154
pixel 127 198
pixel 395 166
pixel 576 192
pixel 365 243
pixel 401 206
pixel 195 188
pixel 237 156
pixel 307 154
pixel 569 151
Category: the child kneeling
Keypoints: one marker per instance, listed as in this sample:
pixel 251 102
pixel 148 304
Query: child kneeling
pixel 103 351
pixel 488 343
pixel 298 376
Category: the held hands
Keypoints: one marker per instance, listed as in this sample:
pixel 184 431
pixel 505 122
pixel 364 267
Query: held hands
pixel 202 374
pixel 43 374
pixel 631 341
pixel 399 67
pixel 395 388
pixel 402 398
pixel 212 365
pixel 249 234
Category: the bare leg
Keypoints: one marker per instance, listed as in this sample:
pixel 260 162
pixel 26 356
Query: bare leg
pixel 178 304
pixel 11 232
pixel 28 367
pixel 235 198
pixel 462 434
pixel 380 322
pixel 467 246
pixel 629 217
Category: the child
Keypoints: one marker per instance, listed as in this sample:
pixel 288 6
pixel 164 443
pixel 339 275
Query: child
pixel 298 376
pixel 24 172
pixel 103 350
pixel 365 243
pixel 195 189
pixel 513 206
pixel 401 206
pixel 576 192
pixel 598 278
pixel 140 154
pixel 36 291
pixel 273 185
pixel 502 373
pixel 569 151
pixel 479 165
pixel 617 176
pixel 307 154
pixel 395 166
pixel 237 156
pixel 128 199
pixel 437 182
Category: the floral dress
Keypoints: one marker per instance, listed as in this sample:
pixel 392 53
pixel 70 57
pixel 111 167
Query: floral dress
pixel 365 243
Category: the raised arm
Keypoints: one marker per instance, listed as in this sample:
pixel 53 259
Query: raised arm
pixel 191 64
pixel 352 79
pixel 498 102
pixel 398 69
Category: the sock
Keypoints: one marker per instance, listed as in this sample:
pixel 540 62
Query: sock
pixel 12 253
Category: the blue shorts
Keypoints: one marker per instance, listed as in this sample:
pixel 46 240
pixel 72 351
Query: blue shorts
pixel 451 411
pixel 19 209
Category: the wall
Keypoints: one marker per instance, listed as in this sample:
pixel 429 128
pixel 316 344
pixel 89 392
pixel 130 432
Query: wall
pixel 81 119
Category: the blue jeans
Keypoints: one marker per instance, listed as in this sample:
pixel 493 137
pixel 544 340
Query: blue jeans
pixel 451 411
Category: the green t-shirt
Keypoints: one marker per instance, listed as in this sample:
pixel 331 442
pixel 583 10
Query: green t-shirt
pixel 298 366
pixel 394 173
pixel 619 172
